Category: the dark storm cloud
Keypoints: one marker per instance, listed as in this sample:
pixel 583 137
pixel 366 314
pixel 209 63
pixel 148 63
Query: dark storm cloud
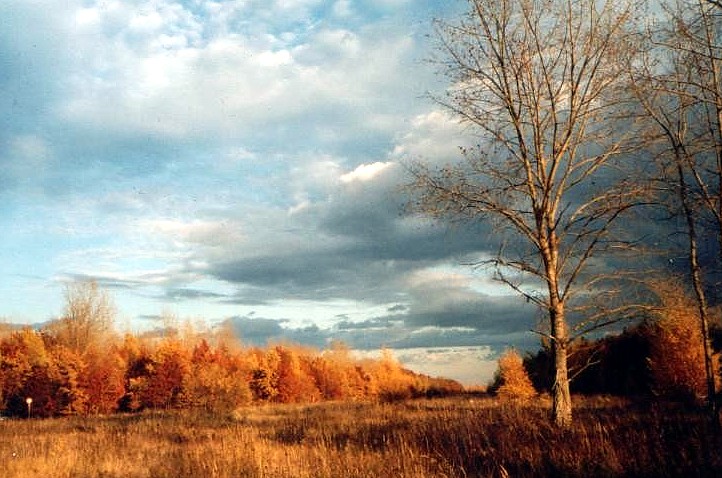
pixel 105 282
pixel 368 249
pixel 377 323
pixel 510 325
pixel 381 256
pixel 184 293
pixel 361 247
pixel 256 330
pixel 357 271
pixel 371 334
pixel 259 331
pixel 495 315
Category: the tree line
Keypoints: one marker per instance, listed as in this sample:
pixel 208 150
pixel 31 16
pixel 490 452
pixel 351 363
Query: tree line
pixel 79 365
pixel 658 357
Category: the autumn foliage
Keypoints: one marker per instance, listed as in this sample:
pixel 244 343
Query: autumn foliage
pixel 77 365
pixel 512 380
pixel 676 355
pixel 661 355
pixel 134 373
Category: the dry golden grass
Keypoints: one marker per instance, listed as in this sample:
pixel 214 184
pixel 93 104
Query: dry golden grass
pixel 458 437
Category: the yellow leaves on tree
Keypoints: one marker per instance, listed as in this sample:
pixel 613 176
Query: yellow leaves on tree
pixel 513 378
pixel 25 363
pixel 676 355
pixel 104 380
pixel 217 381
pixel 338 376
pixel 294 380
pixel 78 365
pixel 394 383
pixel 264 381
pixel 170 367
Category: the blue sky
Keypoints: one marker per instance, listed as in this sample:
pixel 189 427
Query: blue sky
pixel 240 161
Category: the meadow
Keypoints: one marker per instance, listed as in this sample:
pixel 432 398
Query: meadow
pixel 466 436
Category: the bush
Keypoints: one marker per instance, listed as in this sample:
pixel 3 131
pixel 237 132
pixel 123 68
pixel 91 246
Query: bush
pixel 513 381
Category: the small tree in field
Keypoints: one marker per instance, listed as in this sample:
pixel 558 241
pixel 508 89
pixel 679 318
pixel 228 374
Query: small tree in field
pixel 677 346
pixel 513 379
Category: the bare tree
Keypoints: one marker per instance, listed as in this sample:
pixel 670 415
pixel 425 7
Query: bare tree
pixel 88 318
pixel 696 37
pixel 678 87
pixel 540 83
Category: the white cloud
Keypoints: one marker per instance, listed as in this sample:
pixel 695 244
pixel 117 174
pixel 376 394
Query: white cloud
pixel 366 172
pixel 389 3
pixel 342 8
pixel 30 149
pixel 434 137
pixel 87 17
pixel 197 232
pixel 274 58
pixel 161 69
pixel 439 277
pixel 469 365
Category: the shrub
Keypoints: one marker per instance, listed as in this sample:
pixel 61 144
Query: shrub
pixel 513 379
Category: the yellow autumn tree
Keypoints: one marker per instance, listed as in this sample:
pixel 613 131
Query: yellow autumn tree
pixel 394 383
pixel 333 372
pixel 215 381
pixel 294 382
pixel 264 378
pixel 513 379
pixel 676 346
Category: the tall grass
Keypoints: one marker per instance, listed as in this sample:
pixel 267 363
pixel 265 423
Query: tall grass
pixel 459 437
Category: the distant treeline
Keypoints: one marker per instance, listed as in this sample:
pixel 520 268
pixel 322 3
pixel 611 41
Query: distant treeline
pixel 652 359
pixel 661 354
pixel 64 376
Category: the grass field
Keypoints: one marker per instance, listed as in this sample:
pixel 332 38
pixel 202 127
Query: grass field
pixel 459 437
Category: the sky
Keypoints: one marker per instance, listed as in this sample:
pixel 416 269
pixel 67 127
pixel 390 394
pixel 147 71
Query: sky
pixel 241 161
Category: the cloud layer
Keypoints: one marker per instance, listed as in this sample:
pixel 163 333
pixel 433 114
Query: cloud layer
pixel 240 161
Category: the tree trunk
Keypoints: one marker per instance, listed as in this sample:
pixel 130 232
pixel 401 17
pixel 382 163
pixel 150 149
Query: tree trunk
pixel 697 285
pixel 696 271
pixel 561 396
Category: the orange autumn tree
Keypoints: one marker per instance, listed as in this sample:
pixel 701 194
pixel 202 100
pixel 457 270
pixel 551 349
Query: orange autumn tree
pixel 25 366
pixel 65 374
pixel 218 379
pixel 394 382
pixel 104 380
pixel 334 373
pixel 35 367
pixel 65 377
pixel 264 378
pixel 676 357
pixel 136 355
pixel 512 378
pixel 169 370
pixel 294 381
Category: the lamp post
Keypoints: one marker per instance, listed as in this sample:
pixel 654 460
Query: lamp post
pixel 29 401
